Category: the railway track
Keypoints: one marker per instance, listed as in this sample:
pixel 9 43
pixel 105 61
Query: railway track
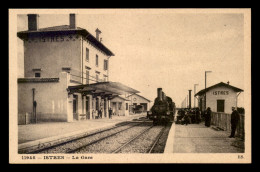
pixel 142 139
pixel 139 136
pixel 112 142
pixel 101 139
pixel 69 144
pixel 145 142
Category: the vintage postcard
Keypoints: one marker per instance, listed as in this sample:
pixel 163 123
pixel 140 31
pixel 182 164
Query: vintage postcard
pixel 129 86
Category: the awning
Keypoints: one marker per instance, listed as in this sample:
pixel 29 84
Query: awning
pixel 103 89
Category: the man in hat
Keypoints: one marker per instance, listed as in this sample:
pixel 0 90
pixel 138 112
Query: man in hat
pixel 234 122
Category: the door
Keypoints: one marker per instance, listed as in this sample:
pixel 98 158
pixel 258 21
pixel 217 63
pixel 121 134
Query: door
pixel 200 104
pixel 120 108
pixel 87 107
pixel 97 104
pixel 105 108
pixel 144 106
pixel 114 107
pixel 220 105
pixel 75 109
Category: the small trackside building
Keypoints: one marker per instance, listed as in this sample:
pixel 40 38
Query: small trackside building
pixel 220 97
pixel 136 99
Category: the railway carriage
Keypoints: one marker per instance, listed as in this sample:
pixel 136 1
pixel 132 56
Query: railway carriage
pixel 162 110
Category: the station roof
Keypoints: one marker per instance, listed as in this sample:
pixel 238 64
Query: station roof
pixel 65 29
pixel 139 96
pixel 103 88
pixel 201 92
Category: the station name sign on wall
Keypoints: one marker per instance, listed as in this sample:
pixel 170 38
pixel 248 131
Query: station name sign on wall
pixel 220 92
pixel 56 38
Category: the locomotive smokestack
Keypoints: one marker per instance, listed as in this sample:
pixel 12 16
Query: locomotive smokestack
pixel 159 93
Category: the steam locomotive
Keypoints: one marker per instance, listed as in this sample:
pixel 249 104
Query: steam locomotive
pixel 163 109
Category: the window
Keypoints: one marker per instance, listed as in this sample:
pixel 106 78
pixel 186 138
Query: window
pixel 126 106
pixel 105 65
pixel 37 74
pixel 96 60
pixel 87 54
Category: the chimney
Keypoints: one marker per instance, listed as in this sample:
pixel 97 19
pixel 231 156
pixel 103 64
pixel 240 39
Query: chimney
pixel 73 21
pixel 163 96
pixel 97 34
pixel 190 98
pixel 159 93
pixel 33 22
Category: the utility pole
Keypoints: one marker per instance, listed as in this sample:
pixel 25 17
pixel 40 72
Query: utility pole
pixel 187 101
pixel 189 98
pixel 205 88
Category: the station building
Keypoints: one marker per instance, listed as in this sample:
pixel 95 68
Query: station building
pixel 220 97
pixel 66 74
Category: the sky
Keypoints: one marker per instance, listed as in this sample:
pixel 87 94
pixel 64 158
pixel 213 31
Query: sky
pixel 163 49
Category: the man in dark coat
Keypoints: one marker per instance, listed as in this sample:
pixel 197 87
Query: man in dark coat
pixel 208 117
pixel 99 113
pixel 234 122
pixel 186 118
pixel 197 113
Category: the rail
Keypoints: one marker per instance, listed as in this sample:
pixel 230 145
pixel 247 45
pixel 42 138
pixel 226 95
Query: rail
pixel 131 140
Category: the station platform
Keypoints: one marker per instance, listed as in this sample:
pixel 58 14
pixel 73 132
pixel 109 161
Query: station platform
pixel 197 138
pixel 33 134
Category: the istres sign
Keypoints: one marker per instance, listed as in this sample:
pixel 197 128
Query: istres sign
pixel 220 92
pixel 55 38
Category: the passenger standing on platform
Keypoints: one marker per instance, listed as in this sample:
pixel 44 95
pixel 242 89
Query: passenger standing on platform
pixel 234 122
pixel 110 113
pixel 198 118
pixel 208 117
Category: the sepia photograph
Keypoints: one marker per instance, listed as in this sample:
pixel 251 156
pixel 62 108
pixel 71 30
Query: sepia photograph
pixel 129 86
